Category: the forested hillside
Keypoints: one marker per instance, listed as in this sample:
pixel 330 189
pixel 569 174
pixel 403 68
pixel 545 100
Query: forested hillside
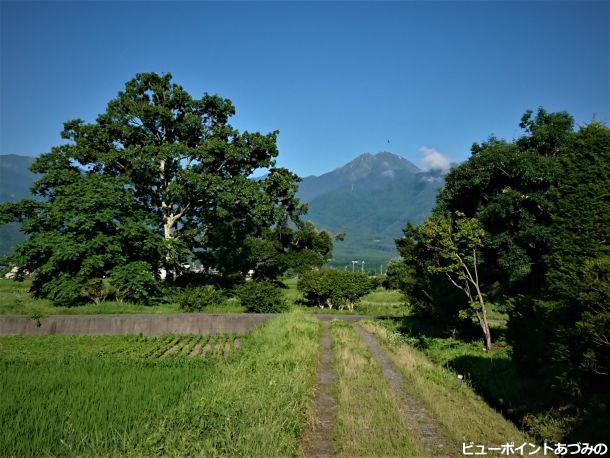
pixel 370 199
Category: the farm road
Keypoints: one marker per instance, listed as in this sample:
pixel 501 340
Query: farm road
pixel 318 440
pixel 421 423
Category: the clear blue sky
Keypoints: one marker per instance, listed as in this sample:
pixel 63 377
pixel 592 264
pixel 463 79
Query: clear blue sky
pixel 337 79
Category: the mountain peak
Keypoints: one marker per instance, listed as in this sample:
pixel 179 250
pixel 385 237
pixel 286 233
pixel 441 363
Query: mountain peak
pixel 375 163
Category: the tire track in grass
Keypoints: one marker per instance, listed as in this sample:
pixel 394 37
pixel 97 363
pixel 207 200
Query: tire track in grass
pixel 318 441
pixel 422 424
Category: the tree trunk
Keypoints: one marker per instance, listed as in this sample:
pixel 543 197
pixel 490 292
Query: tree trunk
pixel 483 320
pixel 168 235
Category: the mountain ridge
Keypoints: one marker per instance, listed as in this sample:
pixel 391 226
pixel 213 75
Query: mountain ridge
pixel 370 198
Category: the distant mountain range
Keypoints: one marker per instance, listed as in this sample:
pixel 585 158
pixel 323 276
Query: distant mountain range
pixel 15 183
pixel 370 199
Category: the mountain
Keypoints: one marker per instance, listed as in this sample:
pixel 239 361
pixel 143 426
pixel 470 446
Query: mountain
pixel 15 183
pixel 370 199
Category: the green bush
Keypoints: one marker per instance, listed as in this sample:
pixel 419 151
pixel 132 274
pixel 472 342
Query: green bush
pixel 64 291
pixel 135 282
pixel 197 299
pixel 334 288
pixel 397 275
pixel 261 297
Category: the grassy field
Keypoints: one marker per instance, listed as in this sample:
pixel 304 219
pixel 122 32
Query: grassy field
pixel 15 300
pixel 130 395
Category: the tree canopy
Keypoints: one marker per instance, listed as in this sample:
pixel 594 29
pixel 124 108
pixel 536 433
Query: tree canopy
pixel 162 177
pixel 542 205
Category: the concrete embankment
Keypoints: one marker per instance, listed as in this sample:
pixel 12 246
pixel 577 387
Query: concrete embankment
pixel 148 325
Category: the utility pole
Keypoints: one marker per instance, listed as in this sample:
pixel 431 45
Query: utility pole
pixel 381 268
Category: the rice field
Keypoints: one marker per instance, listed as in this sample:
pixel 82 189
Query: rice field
pixel 112 395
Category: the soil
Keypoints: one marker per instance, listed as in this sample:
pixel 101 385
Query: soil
pixel 196 348
pixel 318 440
pixel 173 348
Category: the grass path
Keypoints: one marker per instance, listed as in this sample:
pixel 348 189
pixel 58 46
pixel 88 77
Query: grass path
pixel 421 423
pixel 463 415
pixel 392 401
pixel 368 420
pixel 318 441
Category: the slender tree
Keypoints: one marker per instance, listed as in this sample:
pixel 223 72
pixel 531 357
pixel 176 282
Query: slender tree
pixel 455 243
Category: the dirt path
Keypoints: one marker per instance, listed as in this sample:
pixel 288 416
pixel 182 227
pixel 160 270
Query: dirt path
pixel 318 441
pixel 419 419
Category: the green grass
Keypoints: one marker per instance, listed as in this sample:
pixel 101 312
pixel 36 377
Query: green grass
pixel 368 420
pixel 381 302
pixel 257 405
pixel 85 395
pixel 15 300
pixel 493 375
pixel 462 413
pixel 109 395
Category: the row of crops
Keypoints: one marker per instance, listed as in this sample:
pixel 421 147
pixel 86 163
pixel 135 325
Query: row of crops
pixel 167 348
pixel 80 395
pixel 214 346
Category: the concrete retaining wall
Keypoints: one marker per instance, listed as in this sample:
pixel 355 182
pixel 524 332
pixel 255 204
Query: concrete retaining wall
pixel 149 325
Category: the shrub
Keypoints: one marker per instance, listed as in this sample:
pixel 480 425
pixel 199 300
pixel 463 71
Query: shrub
pixel 64 291
pixel 135 282
pixel 197 299
pixel 334 288
pixel 97 290
pixel 397 274
pixel 316 287
pixel 261 297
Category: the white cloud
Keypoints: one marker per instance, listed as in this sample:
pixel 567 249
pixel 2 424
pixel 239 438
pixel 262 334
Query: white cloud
pixel 434 159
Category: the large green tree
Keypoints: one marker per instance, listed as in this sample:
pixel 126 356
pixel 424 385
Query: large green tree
pixel 505 185
pixel 543 203
pixel 188 174
pixel 89 226
pixel 563 333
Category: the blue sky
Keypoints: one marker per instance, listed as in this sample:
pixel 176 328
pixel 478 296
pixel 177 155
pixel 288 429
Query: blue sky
pixel 337 79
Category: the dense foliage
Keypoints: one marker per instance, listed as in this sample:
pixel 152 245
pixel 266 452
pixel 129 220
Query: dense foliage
pixel 261 297
pixel 160 177
pixel 334 288
pixel 199 298
pixel 564 331
pixel 542 204
pixel 452 244
pixel 396 275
